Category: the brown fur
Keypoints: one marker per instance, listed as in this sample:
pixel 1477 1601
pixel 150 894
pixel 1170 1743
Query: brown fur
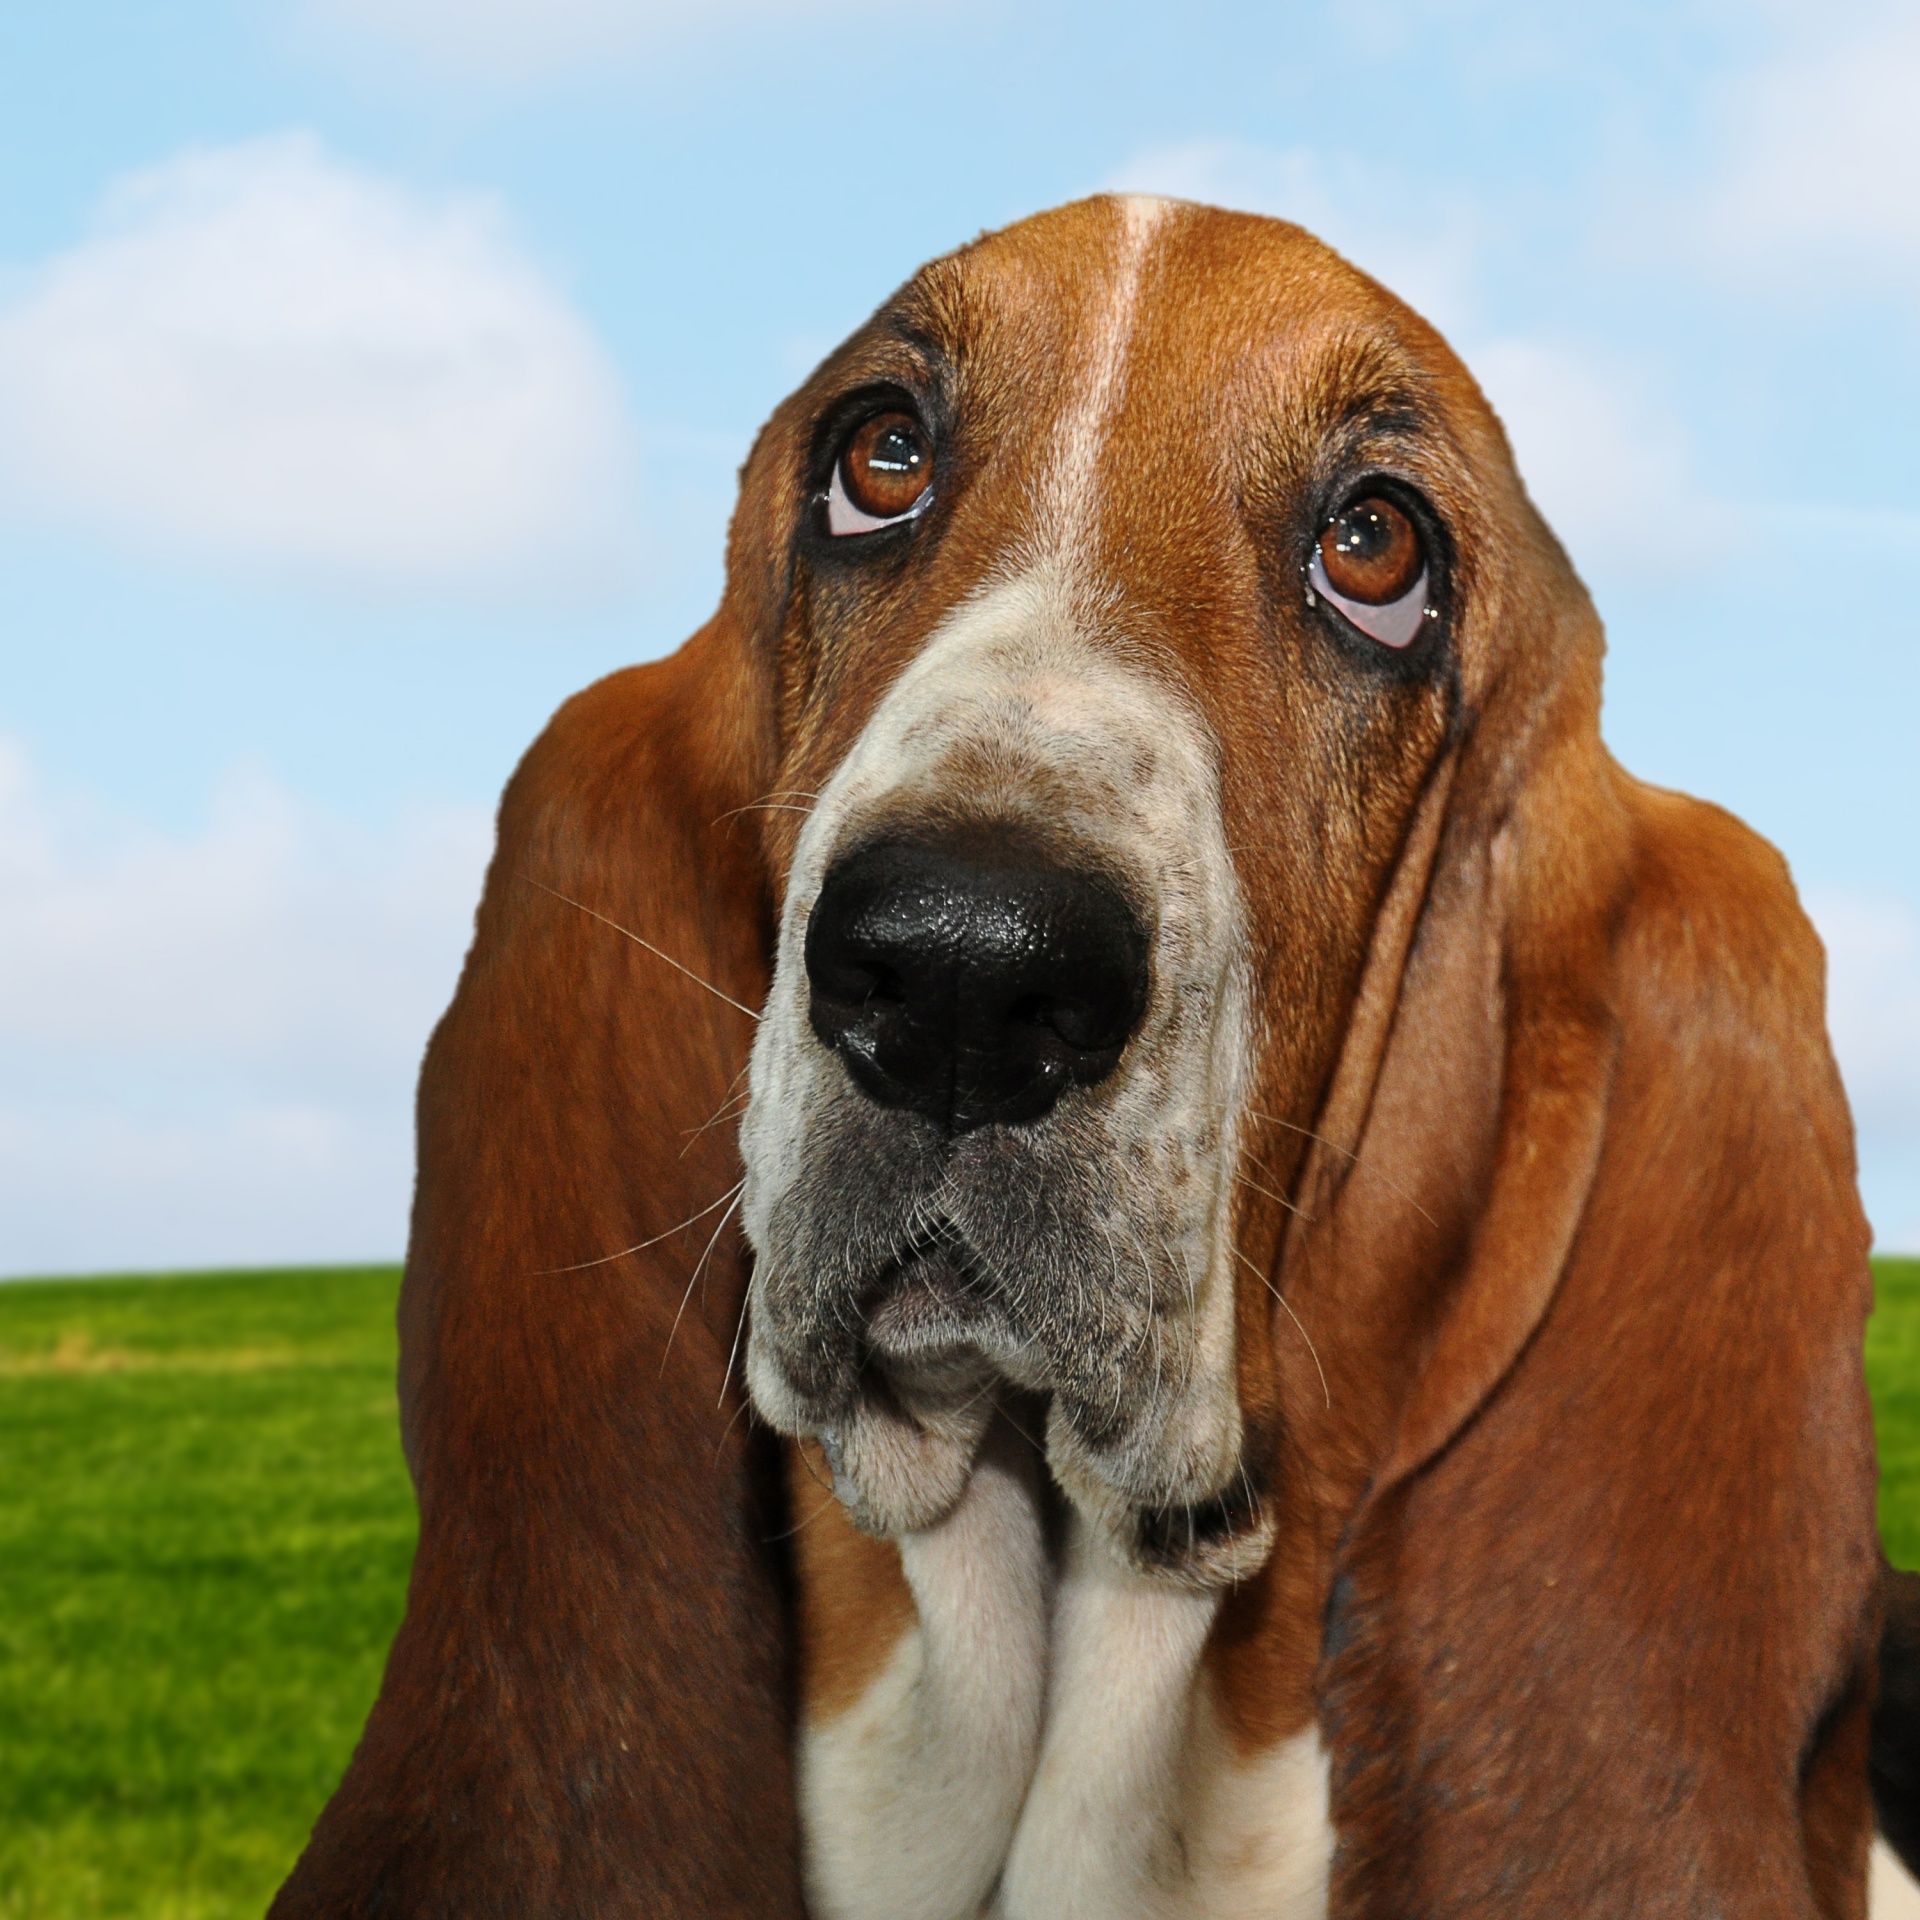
pixel 586 1709
pixel 1575 1557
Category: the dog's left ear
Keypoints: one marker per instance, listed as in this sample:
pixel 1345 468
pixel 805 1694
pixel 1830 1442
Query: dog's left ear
pixel 1601 1640
pixel 587 1708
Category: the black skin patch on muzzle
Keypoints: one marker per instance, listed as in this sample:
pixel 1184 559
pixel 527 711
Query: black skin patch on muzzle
pixel 1169 1537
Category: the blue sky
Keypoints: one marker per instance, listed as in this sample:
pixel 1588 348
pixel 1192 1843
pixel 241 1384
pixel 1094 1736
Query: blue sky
pixel 373 373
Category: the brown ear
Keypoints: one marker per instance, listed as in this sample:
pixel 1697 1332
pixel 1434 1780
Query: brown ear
pixel 586 1709
pixel 1601 1637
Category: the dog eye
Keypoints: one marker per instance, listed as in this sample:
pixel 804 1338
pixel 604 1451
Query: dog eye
pixel 884 475
pixel 1370 564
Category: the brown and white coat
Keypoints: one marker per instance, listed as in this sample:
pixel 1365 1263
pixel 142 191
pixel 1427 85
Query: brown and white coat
pixel 1415 1458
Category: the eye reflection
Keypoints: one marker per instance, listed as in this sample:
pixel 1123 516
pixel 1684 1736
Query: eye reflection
pixel 884 475
pixel 1370 564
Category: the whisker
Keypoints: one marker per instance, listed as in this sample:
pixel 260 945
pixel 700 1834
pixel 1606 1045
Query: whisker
pixel 1039 1446
pixel 727 1098
pixel 732 1105
pixel 739 1327
pixel 1278 1199
pixel 1295 1318
pixel 729 1109
pixel 807 1467
pixel 1193 1311
pixel 770 798
pixel 832 1499
pixel 804 1524
pixel 648 944
pixel 744 1406
pixel 640 1246
pixel 761 806
pixel 1153 1324
pixel 699 1268
pixel 1332 1146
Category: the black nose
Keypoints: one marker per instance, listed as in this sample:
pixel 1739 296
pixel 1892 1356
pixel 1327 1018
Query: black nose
pixel 972 986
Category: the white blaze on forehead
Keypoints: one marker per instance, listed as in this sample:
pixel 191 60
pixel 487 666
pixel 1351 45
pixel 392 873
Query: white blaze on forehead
pixel 1067 499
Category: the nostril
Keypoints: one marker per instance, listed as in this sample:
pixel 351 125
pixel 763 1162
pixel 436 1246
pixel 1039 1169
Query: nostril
pixel 1080 1024
pixel 1085 1028
pixel 886 985
pixel 857 984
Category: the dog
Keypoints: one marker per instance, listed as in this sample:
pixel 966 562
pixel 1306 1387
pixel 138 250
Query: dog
pixel 1105 1225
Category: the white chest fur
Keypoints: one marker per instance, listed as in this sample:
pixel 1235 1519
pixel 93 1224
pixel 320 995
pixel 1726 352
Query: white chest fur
pixel 1035 1748
pixel 1042 1749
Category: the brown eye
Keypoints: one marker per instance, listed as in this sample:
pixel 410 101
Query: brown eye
pixel 1369 563
pixel 883 475
pixel 1371 552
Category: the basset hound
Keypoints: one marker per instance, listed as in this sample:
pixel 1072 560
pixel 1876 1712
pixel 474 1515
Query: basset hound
pixel 1105 1226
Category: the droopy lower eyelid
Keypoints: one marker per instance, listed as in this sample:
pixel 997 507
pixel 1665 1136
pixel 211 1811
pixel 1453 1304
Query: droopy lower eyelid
pixel 1395 623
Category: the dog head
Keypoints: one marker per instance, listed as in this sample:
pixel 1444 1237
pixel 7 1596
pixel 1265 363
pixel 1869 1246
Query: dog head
pixel 1133 572
pixel 1146 764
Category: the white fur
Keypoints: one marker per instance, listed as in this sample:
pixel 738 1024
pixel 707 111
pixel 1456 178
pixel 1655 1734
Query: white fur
pixel 1097 1835
pixel 1022 678
pixel 910 1797
pixel 1139 1806
pixel 1068 501
pixel 1891 1893
pixel 1258 1832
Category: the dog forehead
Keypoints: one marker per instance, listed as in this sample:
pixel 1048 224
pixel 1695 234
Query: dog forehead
pixel 1131 378
pixel 1236 314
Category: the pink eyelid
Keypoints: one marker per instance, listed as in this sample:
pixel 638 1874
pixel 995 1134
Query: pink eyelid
pixel 1394 623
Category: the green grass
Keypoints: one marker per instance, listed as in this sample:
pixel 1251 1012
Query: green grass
pixel 205 1528
pixel 204 1536
pixel 1893 1370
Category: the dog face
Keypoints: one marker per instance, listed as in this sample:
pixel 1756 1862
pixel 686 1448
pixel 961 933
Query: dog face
pixel 1128 605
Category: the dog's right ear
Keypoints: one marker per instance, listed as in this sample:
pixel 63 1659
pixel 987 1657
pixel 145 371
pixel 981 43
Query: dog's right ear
pixel 586 1711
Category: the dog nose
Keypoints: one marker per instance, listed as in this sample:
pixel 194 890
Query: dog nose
pixel 972 985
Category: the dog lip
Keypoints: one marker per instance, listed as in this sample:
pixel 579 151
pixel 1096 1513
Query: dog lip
pixel 932 1295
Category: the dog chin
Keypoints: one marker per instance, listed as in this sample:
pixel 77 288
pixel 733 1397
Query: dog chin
pixel 1181 1500
pixel 1171 1490
pixel 899 1465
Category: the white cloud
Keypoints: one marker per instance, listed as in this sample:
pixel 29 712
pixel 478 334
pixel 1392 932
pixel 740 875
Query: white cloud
pixel 1812 180
pixel 1428 253
pixel 513 42
pixel 208 1040
pixel 101 1187
pixel 1607 466
pixel 1601 458
pixel 1873 992
pixel 262 354
pixel 1873 1011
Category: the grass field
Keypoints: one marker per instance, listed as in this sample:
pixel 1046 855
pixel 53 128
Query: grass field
pixel 204 1535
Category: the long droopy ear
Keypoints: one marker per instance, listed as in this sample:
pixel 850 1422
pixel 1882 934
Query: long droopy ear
pixel 586 1710
pixel 1600 1639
